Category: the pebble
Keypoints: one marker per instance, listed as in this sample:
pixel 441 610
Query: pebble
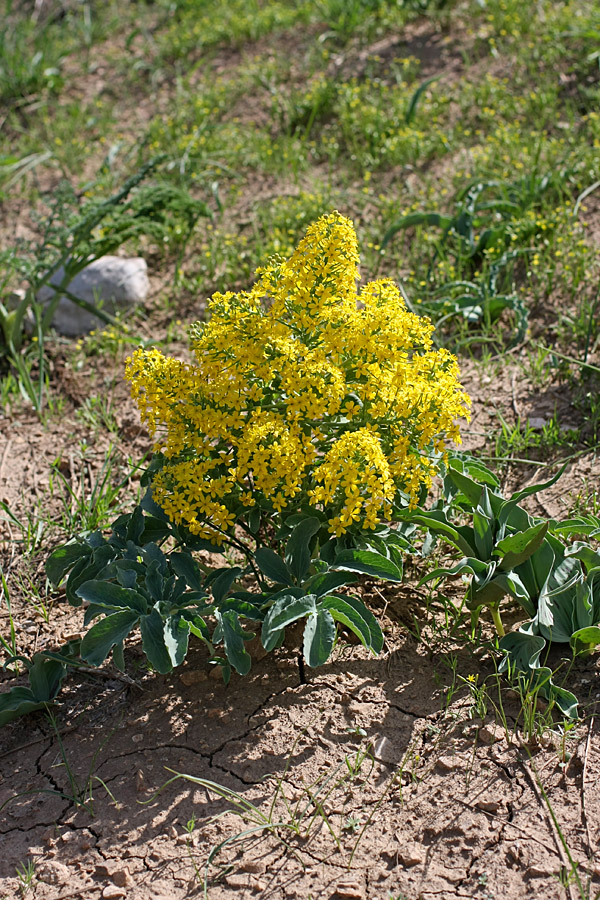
pixel 112 892
pixel 121 877
pixel 449 763
pixel 490 734
pixel 349 889
pixel 491 806
pixel 411 855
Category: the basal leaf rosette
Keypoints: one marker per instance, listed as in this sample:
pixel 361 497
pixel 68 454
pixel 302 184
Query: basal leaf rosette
pixel 304 393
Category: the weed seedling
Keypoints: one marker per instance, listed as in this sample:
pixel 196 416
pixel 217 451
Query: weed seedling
pixel 25 875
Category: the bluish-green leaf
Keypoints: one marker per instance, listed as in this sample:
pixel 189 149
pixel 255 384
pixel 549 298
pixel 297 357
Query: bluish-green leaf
pixel 325 582
pixel 101 638
pixel 64 558
pixel 111 596
pixel 18 701
pixel 346 614
pixel 222 583
pixel 368 563
pixel 585 639
pixel 45 677
pixel 187 568
pixel 272 565
pixel 319 637
pixel 233 639
pixel 297 551
pixel 522 649
pixel 177 632
pixel 153 641
pixel 536 488
pixel 286 610
pixel 516 548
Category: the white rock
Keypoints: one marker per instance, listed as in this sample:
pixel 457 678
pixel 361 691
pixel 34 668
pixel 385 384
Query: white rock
pixel 110 283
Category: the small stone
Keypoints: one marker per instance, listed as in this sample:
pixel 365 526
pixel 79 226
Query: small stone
pixel 491 806
pixel 121 877
pixel 140 782
pixel 137 738
pixel 254 866
pixel 537 422
pixel 411 855
pixel 349 889
pixel 541 870
pixel 449 763
pixel 194 676
pixel 490 734
pixel 112 892
pixel 52 873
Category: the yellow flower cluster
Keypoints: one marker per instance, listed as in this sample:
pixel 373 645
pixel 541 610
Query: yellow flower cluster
pixel 304 392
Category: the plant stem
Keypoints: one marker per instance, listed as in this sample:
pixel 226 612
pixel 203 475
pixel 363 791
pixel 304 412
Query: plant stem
pixel 497 621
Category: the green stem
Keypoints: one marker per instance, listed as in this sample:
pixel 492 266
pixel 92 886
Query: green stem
pixel 497 620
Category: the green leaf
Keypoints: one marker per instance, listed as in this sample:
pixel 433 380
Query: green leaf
pixel 522 650
pixel 469 566
pixel 297 551
pixel 484 538
pixel 319 637
pixel 155 530
pixel 135 525
pixel 45 677
pixel 222 583
pixel 176 632
pixel 233 639
pixel 155 583
pixel 272 565
pixel 19 701
pixel 413 219
pixel 585 639
pixel 243 608
pixel 346 614
pixel 105 594
pixel 152 628
pixel 198 626
pixel 284 611
pixel 586 554
pixel 64 558
pixel 325 582
pixel 555 610
pixel 368 563
pixel 188 569
pixel 414 100
pixel 436 520
pixel 111 630
pixel 118 657
pixel 516 548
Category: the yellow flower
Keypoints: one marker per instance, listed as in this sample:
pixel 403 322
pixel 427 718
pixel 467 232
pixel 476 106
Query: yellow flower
pixel 266 416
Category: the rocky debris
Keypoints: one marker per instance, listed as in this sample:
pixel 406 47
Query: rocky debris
pixel 110 283
pixel 411 855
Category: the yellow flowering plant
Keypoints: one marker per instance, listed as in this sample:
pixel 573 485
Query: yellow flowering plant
pixel 312 418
